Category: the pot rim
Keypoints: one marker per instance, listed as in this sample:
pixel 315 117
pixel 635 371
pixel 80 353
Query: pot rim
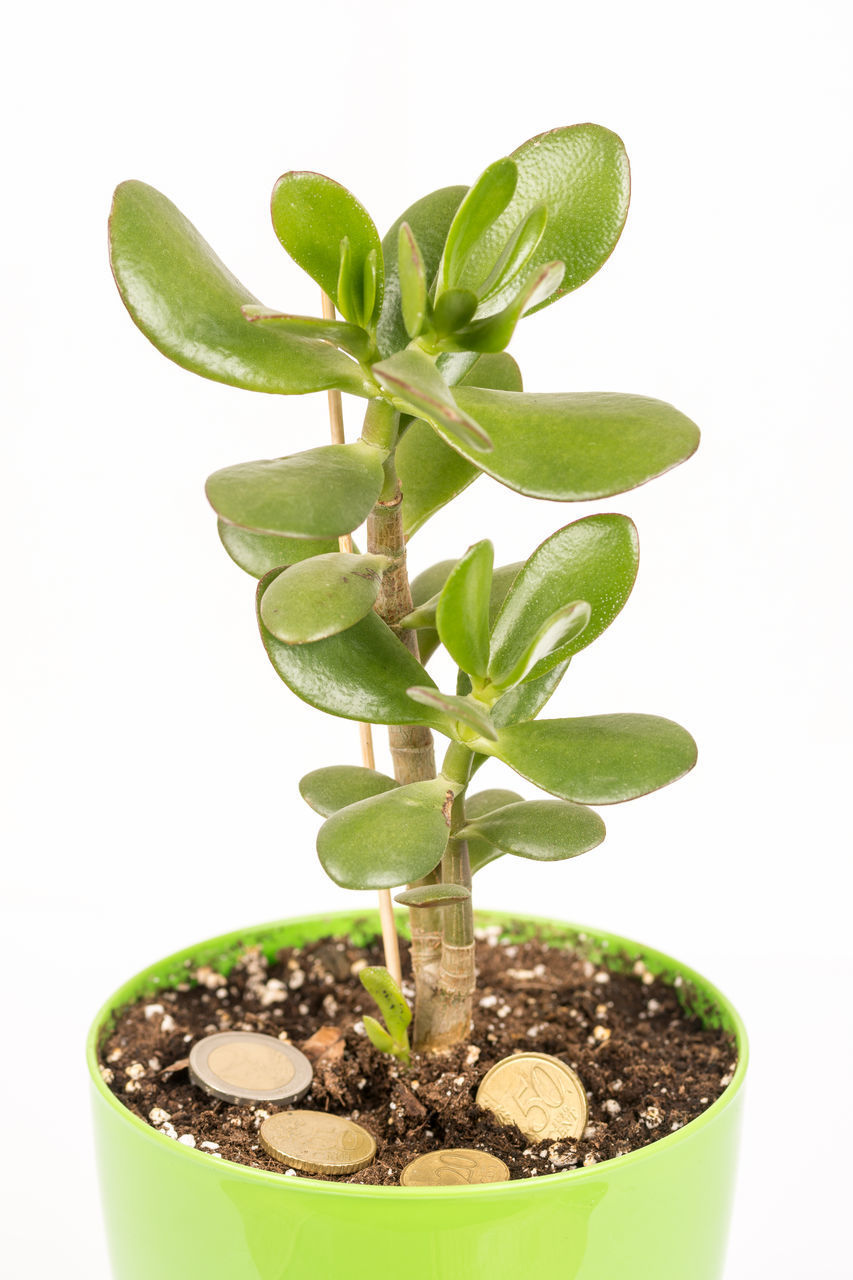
pixel 660 961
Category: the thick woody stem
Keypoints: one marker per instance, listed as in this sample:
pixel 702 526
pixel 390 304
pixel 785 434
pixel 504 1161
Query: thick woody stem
pixel 411 746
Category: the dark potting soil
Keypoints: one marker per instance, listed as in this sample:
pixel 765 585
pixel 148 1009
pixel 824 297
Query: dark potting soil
pixel 647 1066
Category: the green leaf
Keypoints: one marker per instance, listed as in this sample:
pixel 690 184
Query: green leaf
pixel 456 708
pixel 581 175
pixel 377 1035
pixel 349 337
pixel 493 332
pixel 381 987
pixel 462 614
pixel 573 448
pixel 525 701
pixel 429 219
pixel 363 673
pixel 312 214
pixel 595 560
pixel 453 310
pixel 433 895
pixel 320 493
pixel 481 851
pixel 430 471
pixel 543 830
pixel 322 596
pixel 517 252
pixel 187 302
pixel 423 617
pixel 548 644
pixel 257 553
pixel 596 759
pixel 388 840
pixel 482 206
pixel 413 282
pixel 416 387
pixel 339 785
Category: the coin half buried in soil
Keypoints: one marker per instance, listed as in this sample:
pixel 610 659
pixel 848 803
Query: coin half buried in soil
pixel 244 1066
pixel 457 1166
pixel 538 1093
pixel 317 1142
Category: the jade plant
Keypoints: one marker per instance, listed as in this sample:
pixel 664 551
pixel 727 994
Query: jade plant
pixel 425 317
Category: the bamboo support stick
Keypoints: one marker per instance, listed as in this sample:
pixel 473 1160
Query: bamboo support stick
pixel 390 941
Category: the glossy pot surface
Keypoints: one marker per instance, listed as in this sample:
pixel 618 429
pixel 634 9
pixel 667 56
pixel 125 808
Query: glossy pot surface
pixel 660 1213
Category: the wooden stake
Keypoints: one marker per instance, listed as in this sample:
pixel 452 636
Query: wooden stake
pixel 390 941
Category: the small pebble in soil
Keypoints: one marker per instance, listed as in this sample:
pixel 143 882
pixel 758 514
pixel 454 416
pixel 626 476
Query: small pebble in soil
pixel 632 1040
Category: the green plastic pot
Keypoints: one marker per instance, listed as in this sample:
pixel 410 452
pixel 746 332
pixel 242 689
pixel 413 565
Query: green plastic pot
pixel 174 1213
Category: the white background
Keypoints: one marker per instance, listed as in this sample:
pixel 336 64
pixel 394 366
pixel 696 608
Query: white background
pixel 150 753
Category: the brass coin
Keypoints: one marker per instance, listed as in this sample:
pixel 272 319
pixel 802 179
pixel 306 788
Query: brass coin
pixel 244 1066
pixel 455 1167
pixel 538 1093
pixel 317 1142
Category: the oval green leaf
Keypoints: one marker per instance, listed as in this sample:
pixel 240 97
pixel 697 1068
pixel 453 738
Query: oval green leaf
pixel 595 560
pixel 413 282
pixel 573 448
pixel 596 759
pixel 388 840
pixel 431 472
pixel 478 212
pixel 549 643
pixel 349 337
pixel 340 785
pixel 543 830
pixel 188 304
pixel 363 673
pixel 320 493
pixel 481 851
pixel 258 553
pixel 311 215
pixel 462 614
pixel 493 332
pixel 526 700
pixel 322 596
pixel 581 175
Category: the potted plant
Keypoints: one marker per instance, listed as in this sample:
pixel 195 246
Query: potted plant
pixel 426 315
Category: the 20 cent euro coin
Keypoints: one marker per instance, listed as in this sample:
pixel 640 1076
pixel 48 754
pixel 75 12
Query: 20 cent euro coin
pixel 455 1167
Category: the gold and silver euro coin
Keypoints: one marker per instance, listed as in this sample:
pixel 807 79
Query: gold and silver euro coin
pixel 245 1066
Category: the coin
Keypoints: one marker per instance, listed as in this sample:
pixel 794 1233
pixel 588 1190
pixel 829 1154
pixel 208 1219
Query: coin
pixel 317 1142
pixel 458 1166
pixel 538 1093
pixel 244 1066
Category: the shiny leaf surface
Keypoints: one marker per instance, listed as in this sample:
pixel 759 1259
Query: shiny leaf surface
pixel 429 219
pixel 543 830
pixel 456 708
pixel 312 214
pixel 430 471
pixel 548 645
pixel 517 252
pixel 478 212
pixel 388 840
pixel 573 448
pixel 320 597
pixel 493 332
pixel 349 337
pixel 320 493
pixel 188 304
pixel 581 175
pixel 413 281
pixel 462 613
pixel 423 616
pixel 595 560
pixel 416 387
pixel 596 759
pixel 360 674
pixel 257 553
pixel 525 701
pixel 481 851
pixel 339 785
